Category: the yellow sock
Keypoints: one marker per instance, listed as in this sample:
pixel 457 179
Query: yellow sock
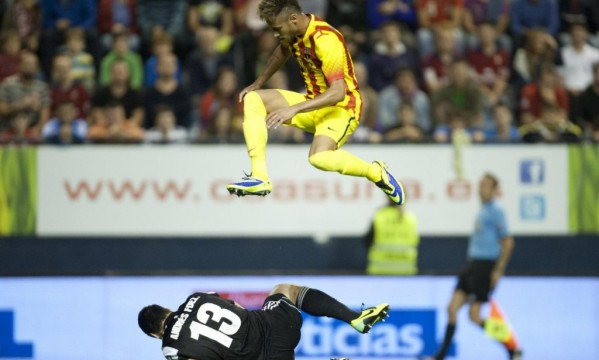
pixel 345 163
pixel 255 132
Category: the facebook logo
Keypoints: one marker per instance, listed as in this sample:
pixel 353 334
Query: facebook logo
pixel 532 207
pixel 9 348
pixel 532 171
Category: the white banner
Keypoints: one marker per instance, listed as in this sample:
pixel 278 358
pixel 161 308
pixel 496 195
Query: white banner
pixel 96 318
pixel 170 191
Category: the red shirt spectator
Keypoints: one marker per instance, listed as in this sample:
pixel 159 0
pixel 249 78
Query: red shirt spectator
pixel 109 22
pixel 10 56
pixel 544 93
pixel 437 12
pixel 65 89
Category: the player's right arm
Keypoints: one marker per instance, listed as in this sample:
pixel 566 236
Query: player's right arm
pixel 274 63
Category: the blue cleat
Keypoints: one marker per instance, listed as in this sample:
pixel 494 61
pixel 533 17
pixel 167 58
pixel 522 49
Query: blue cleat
pixel 390 185
pixel 250 186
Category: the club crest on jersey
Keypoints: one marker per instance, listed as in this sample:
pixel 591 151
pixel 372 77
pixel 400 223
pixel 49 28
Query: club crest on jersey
pixel 307 53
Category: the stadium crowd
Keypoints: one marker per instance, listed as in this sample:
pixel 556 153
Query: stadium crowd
pixel 169 71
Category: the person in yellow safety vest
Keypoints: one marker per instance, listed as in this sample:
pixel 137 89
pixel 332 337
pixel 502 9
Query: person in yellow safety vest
pixel 392 242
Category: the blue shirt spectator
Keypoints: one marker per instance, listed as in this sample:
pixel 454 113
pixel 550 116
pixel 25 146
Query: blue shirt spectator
pixel 490 228
pixel 382 11
pixel 79 13
pixel 528 14
pixel 403 90
pixel 155 17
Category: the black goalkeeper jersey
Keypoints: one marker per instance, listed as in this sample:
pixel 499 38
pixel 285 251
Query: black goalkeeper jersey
pixel 208 327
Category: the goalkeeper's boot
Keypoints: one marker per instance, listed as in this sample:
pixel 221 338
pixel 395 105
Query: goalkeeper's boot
pixel 369 317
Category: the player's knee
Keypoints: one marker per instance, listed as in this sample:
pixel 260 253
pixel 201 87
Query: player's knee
pixel 289 290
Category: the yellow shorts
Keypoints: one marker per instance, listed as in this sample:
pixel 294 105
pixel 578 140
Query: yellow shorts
pixel 332 121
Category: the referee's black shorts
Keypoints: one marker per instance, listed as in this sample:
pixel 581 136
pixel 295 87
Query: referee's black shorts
pixel 475 279
pixel 284 325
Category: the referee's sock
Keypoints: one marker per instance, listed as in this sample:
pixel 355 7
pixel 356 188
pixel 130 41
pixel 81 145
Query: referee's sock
pixel 255 133
pixel 449 332
pixel 318 303
pixel 345 163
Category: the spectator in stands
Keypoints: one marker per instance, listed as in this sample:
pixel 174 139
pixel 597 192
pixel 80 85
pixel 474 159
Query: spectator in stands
pixel 579 12
pixel 25 17
pixel 223 95
pixel 120 50
pixel 65 127
pixel 255 47
pixel 118 92
pixel 63 88
pixel 316 7
pixel 403 90
pixel 367 131
pixel 60 16
pixel 112 126
pixel 589 106
pixel 167 90
pixel 225 128
pixel 157 17
pixel 19 131
pixel 10 57
pixel 165 129
pixel 203 63
pixel 526 15
pixel 495 13
pixel 358 43
pixel 433 14
pixel 83 67
pixel 23 92
pixel 217 14
pixel 457 125
pixel 247 17
pixel 436 66
pixel 116 17
pixel 344 12
pixel 462 95
pixel 504 130
pixel 548 91
pixel 552 126
pixel 492 67
pixel 382 11
pixel 577 70
pixel 161 45
pixel 407 129
pixel 538 50
pixel 389 54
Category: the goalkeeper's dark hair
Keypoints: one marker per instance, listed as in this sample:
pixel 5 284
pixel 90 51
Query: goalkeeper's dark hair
pixel 150 319
pixel 269 9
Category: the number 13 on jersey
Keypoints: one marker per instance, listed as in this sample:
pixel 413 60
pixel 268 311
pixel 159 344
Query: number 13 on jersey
pixel 215 323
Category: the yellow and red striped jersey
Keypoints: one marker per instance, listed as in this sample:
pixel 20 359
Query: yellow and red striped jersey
pixel 323 58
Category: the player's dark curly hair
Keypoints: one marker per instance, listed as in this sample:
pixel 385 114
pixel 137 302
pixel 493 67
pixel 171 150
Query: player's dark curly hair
pixel 150 319
pixel 270 9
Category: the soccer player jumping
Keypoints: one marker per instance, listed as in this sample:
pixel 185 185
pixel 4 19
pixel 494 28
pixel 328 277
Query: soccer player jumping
pixel 330 108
